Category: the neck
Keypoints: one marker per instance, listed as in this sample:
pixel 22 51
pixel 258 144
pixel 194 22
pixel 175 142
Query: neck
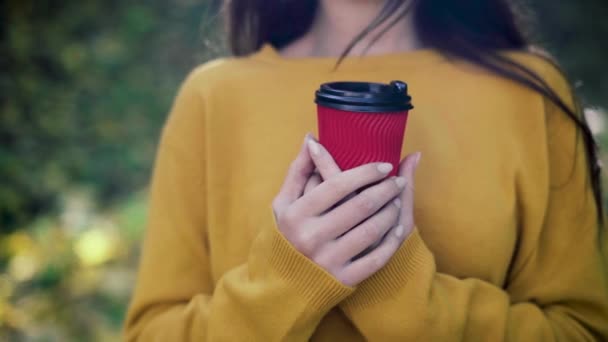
pixel 339 21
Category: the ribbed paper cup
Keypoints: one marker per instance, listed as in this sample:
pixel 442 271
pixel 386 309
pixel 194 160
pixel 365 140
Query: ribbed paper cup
pixel 360 122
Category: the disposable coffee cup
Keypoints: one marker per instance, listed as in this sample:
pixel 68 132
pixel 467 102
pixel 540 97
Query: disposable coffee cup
pixel 361 122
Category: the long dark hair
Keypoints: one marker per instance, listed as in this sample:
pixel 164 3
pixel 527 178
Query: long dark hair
pixel 474 30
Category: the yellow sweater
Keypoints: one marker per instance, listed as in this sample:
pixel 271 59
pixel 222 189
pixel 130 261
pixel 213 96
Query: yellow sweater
pixel 506 246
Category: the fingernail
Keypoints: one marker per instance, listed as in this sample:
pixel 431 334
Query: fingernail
pixel 400 182
pixel 313 147
pixel 418 155
pixel 385 167
pixel 397 202
pixel 399 231
pixel 307 137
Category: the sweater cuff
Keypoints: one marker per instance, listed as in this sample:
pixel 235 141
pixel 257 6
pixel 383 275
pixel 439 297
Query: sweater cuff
pixel 409 259
pixel 320 289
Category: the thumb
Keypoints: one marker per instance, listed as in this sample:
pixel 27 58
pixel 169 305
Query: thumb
pixel 407 170
pixel 324 162
pixel 297 176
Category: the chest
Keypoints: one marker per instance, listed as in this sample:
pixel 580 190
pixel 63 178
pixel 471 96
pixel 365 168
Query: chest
pixel 465 204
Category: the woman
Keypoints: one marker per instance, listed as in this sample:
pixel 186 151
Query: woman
pixel 501 240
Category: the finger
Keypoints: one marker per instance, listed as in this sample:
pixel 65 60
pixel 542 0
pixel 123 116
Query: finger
pixel 367 265
pixel 297 175
pixel 332 190
pixel 364 205
pixel 407 170
pixel 369 232
pixel 325 163
pixel 313 182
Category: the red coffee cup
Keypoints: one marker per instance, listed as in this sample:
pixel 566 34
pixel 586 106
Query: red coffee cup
pixel 361 122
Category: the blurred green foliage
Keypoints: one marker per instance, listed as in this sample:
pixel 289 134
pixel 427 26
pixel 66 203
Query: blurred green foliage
pixel 576 32
pixel 84 89
pixel 69 277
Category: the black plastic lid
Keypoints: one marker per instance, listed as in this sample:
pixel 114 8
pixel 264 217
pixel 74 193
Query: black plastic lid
pixel 364 96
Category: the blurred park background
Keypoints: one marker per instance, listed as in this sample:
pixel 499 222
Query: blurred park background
pixel 84 89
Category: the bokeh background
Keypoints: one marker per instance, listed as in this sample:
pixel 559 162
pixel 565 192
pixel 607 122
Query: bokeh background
pixel 84 90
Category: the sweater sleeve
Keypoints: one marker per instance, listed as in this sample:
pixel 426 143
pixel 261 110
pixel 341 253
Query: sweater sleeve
pixel 276 294
pixel 557 288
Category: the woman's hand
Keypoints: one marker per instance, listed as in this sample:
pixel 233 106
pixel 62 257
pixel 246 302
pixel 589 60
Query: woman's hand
pixel 326 167
pixel 305 216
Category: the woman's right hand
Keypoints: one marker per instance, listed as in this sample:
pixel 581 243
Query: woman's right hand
pixel 315 229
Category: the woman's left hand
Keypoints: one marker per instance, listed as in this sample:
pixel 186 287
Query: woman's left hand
pixel 326 168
